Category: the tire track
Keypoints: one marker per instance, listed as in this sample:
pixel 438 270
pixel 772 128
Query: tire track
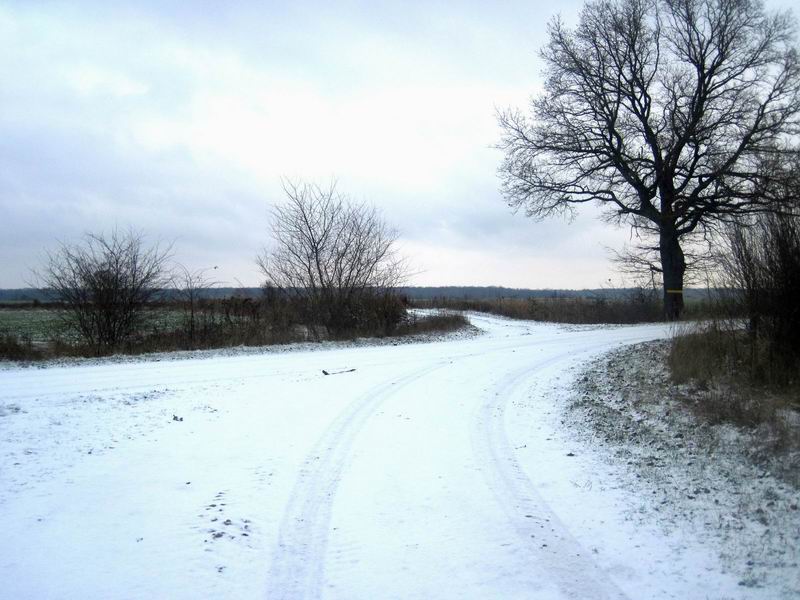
pixel 298 562
pixel 297 568
pixel 552 547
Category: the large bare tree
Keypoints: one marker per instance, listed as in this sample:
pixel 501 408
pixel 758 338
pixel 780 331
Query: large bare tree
pixel 329 252
pixel 672 114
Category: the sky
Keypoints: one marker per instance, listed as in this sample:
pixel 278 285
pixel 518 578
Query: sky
pixel 180 119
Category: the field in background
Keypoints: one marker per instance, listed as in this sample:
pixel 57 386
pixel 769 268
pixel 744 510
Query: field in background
pixel 33 331
pixel 29 295
pixel 36 324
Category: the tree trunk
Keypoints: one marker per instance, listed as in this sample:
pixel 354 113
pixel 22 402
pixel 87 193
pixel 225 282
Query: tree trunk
pixel 673 267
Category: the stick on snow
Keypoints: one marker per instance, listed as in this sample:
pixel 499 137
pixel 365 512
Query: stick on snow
pixel 324 372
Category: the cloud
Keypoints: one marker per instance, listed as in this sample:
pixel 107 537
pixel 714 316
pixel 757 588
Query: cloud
pixel 180 121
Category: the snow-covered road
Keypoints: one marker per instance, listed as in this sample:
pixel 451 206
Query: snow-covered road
pixel 433 470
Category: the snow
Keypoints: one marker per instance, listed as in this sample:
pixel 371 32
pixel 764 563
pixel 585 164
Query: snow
pixel 434 470
pixel 734 486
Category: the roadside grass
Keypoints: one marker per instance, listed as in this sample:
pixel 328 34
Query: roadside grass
pixel 743 365
pixel 725 375
pixel 443 321
pixel 18 347
pixel 635 308
pixel 733 376
pixel 693 461
pixel 31 334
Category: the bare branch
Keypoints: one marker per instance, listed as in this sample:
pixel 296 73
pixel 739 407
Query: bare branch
pixel 104 282
pixel 329 252
pixel 669 113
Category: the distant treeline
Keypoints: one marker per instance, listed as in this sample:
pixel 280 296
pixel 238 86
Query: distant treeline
pixel 413 293
pixel 29 295
pixel 495 292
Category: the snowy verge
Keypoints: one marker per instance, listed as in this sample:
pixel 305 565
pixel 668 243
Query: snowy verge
pixel 710 477
pixel 464 333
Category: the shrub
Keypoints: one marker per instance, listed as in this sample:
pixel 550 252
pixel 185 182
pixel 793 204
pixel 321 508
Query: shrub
pixel 104 284
pixel 336 256
pixel 763 264
pixel 747 368
pixel 637 307
pixel 439 322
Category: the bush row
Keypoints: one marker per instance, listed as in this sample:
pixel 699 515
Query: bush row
pixel 640 306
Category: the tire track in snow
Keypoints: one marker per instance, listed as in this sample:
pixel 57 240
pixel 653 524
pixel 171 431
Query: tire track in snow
pixel 298 562
pixel 561 557
pixel 297 567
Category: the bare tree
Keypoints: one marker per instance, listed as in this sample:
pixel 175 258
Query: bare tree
pixel 104 282
pixel 329 252
pixel 190 288
pixel 670 113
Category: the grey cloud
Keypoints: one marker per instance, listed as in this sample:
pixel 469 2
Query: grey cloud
pixel 81 79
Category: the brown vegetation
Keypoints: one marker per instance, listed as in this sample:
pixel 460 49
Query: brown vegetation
pixel 728 382
pixel 18 347
pixel 439 322
pixel 236 321
pixel 335 259
pixel 747 370
pixel 638 307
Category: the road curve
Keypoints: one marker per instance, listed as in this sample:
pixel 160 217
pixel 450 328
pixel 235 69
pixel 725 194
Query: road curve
pixel 408 474
pixel 362 521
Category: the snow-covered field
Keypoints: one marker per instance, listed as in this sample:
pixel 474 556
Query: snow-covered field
pixel 432 470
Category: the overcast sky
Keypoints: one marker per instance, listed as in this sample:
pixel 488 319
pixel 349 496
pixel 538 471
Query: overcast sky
pixel 180 118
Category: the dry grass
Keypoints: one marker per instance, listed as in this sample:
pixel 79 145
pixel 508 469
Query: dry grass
pixel 248 325
pixel 440 322
pixel 725 378
pixel 746 371
pixel 18 347
pixel 700 353
pixel 637 308
pixel 737 484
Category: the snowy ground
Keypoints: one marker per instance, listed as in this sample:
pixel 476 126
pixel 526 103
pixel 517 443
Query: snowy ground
pixel 434 470
pixel 736 486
